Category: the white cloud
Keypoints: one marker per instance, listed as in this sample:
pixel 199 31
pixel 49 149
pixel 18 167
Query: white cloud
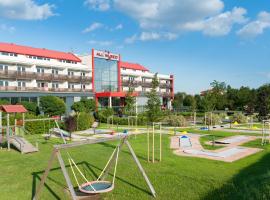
pixel 101 5
pixel 94 26
pixel 131 39
pixel 170 13
pixel 257 27
pixel 150 36
pixel 178 16
pixel 100 43
pixel 6 28
pixel 118 27
pixel 219 25
pixel 25 10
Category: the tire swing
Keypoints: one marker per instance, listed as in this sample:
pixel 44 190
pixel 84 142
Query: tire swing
pixel 98 186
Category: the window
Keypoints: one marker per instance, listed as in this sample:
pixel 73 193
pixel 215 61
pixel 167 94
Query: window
pixel 143 80
pixel 40 70
pixel 3 83
pixel 83 74
pixel 70 86
pixel 83 87
pixel 20 69
pixel 39 58
pixel 21 84
pixel 41 85
pixel 55 71
pixel 9 54
pixel 124 68
pixel 3 67
pixel 70 73
pixel 131 78
pixel 55 85
pixel 144 89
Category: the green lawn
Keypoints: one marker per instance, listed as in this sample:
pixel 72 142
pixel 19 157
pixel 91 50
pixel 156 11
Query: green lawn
pixel 174 178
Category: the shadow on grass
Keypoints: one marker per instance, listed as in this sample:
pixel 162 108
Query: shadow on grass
pixel 37 177
pixel 252 182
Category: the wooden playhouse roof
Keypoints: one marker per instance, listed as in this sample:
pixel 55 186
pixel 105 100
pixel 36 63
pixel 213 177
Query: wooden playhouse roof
pixel 13 109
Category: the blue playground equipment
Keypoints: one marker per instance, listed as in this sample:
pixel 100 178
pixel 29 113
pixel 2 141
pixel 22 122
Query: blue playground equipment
pixel 204 128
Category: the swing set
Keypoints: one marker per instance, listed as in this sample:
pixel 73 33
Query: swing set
pixel 88 187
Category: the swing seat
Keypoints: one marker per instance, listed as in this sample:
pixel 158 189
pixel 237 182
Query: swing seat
pixel 96 187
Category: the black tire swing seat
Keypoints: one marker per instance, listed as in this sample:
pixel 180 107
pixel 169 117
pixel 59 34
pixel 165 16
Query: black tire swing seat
pixel 98 186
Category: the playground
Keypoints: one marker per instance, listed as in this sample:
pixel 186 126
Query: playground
pixel 135 162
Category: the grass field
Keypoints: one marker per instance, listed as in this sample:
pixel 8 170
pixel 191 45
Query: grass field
pixel 174 178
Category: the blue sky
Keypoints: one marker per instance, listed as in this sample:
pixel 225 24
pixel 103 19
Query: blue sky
pixel 197 41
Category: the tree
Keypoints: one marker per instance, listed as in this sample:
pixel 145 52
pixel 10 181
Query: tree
pixel 52 105
pixel 208 102
pixel 178 100
pixel 153 103
pixel 190 101
pixel 217 95
pixel 84 105
pixel 263 101
pixel 31 107
pixel 130 101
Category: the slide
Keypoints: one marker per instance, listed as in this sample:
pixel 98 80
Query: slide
pixel 22 144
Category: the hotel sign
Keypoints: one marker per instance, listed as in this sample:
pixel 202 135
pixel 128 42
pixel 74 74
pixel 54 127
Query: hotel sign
pixel 106 55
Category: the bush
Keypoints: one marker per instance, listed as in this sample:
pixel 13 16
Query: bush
pixel 84 105
pixel 52 105
pixel 215 119
pixel 104 114
pixel 70 124
pixel 175 120
pixel 30 106
pixel 84 121
pixel 240 118
pixel 38 127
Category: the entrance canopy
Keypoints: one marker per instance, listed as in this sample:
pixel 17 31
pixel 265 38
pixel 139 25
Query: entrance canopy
pixel 114 94
pixel 13 109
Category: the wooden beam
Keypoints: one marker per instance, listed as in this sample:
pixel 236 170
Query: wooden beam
pixel 85 142
pixel 68 181
pixel 45 175
pixel 141 168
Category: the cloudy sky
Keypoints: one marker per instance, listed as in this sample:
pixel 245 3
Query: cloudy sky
pixel 196 40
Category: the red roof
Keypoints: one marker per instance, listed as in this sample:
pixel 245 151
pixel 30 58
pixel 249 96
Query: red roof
pixel 24 50
pixel 13 109
pixel 133 66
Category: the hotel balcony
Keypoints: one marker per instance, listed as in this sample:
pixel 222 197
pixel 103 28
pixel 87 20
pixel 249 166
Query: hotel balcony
pixel 165 85
pixel 37 89
pixel 129 83
pixel 43 77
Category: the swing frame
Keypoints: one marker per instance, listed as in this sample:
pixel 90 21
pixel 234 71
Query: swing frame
pixel 57 153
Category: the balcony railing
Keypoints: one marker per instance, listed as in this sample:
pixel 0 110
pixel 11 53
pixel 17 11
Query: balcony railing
pixel 130 83
pixel 11 74
pixel 37 89
pixel 165 85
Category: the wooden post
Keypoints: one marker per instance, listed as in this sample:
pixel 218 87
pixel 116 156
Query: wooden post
pixel 141 169
pixel 160 141
pixel 23 118
pixel 8 132
pixel 148 145
pixel 45 175
pixel 153 143
pixel 68 181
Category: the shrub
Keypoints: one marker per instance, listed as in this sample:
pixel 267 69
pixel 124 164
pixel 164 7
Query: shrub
pixel 52 105
pixel 175 120
pixel 215 119
pixel 84 121
pixel 38 127
pixel 104 114
pixel 240 118
pixel 70 124
pixel 31 107
pixel 84 105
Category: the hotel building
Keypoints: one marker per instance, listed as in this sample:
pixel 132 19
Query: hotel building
pixel 27 73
